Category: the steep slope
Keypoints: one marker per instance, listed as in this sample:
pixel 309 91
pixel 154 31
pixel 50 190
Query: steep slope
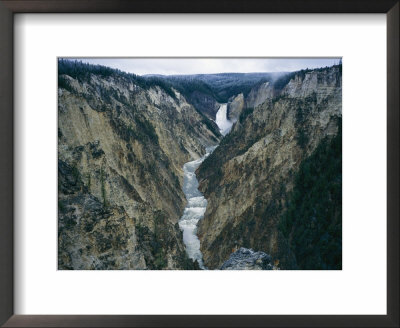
pixel 247 179
pixel 122 144
pixel 235 105
pixel 260 93
pixel 312 222
pixel 199 94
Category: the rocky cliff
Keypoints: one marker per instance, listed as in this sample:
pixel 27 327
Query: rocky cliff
pixel 249 179
pixel 122 142
pixel 235 107
pixel 205 103
pixel 198 93
pixel 257 95
pixel 260 93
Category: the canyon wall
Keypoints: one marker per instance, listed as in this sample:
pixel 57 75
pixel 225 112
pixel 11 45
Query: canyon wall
pixel 121 148
pixel 249 179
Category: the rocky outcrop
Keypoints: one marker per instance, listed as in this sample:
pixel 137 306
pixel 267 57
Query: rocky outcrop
pixel 235 107
pixel 247 259
pixel 259 94
pixel 121 147
pixel 247 178
pixel 91 235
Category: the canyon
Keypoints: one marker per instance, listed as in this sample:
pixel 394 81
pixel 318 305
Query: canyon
pixel 121 149
pixel 197 172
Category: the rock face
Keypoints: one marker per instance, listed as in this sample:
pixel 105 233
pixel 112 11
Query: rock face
pixel 121 148
pixel 248 177
pixel 247 259
pixel 91 235
pixel 204 103
pixel 235 107
pixel 259 94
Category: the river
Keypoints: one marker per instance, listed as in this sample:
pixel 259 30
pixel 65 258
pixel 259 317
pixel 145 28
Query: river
pixel 196 203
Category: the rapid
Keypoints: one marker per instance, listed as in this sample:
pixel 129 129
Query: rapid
pixel 196 203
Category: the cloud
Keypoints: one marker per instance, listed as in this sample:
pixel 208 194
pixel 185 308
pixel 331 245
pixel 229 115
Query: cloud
pixel 170 66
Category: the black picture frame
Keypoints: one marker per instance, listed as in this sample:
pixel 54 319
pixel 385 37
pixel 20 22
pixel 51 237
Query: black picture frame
pixel 10 7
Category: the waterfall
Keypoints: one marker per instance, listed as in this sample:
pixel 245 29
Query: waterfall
pixel 197 204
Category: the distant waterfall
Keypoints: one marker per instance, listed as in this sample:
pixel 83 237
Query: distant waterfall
pixel 222 120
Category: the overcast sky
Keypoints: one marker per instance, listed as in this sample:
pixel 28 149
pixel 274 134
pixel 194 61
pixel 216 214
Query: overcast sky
pixel 169 66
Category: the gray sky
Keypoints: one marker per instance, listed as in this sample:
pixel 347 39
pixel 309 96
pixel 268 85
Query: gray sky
pixel 169 66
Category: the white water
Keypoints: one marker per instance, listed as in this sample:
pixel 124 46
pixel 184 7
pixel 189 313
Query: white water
pixel 222 121
pixel 197 204
pixel 194 210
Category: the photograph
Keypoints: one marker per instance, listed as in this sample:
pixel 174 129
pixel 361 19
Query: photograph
pixel 152 146
pixel 219 163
